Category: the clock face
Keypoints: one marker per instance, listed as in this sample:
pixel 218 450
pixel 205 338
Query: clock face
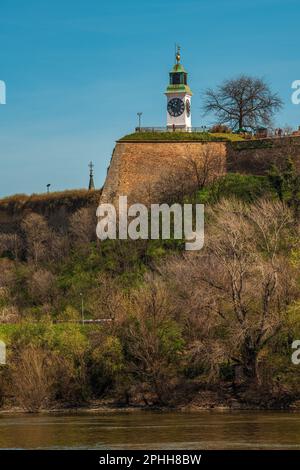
pixel 175 107
pixel 188 108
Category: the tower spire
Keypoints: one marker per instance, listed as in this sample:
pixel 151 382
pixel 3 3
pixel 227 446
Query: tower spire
pixel 177 54
pixel 91 182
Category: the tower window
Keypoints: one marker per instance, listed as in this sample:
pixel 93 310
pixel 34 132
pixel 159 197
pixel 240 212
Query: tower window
pixel 175 79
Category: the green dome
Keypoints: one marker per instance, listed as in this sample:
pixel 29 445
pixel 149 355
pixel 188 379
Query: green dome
pixel 178 68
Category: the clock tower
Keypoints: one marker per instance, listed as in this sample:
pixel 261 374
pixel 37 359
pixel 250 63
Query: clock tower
pixel 178 98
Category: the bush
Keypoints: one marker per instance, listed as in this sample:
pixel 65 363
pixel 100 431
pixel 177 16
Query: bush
pixel 106 363
pixel 247 188
pixel 220 128
pixel 32 373
pixel 153 342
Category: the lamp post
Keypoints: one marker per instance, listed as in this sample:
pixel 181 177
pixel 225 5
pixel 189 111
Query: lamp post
pixel 48 187
pixel 139 116
pixel 82 309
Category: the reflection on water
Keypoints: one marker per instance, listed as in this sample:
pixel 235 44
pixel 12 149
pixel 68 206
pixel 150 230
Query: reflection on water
pixel 153 430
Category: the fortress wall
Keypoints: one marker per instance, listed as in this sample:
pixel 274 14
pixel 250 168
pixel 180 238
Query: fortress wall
pixel 256 157
pixel 137 167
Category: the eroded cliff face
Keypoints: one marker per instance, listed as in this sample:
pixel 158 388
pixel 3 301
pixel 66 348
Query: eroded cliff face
pixel 55 207
pixel 138 168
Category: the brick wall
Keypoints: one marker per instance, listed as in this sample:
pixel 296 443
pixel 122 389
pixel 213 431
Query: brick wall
pixel 257 156
pixel 137 167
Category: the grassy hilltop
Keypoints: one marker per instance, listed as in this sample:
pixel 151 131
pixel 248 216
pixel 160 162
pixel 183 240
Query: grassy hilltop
pixel 181 137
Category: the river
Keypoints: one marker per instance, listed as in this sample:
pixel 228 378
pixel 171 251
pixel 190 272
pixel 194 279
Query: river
pixel 152 430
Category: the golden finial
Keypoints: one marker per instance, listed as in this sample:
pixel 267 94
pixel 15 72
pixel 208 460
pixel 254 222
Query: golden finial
pixel 178 54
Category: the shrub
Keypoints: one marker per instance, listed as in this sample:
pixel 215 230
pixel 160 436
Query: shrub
pixel 32 373
pixel 247 188
pixel 220 128
pixel 106 363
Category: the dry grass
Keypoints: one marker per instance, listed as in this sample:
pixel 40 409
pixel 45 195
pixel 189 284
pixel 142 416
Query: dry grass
pixel 19 202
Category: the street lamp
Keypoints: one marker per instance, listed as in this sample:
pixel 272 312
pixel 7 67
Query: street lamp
pixel 139 116
pixel 48 187
pixel 82 309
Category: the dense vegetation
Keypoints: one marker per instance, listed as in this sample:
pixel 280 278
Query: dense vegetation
pixel 210 327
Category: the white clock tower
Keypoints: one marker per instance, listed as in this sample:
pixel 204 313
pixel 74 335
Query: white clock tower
pixel 178 98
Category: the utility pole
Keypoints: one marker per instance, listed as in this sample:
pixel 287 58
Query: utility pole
pixel 139 116
pixel 82 309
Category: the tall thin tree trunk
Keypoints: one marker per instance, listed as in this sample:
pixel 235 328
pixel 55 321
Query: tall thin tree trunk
pixel 249 360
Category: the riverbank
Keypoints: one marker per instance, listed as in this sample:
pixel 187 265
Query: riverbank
pixel 113 406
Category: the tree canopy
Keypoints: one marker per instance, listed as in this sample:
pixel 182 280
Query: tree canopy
pixel 242 102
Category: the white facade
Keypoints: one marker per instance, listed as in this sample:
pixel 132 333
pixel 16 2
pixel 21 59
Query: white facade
pixel 184 120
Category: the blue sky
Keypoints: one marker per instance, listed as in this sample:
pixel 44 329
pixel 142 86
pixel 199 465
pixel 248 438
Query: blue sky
pixel 78 71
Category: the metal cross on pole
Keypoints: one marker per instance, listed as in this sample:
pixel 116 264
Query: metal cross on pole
pixel 91 182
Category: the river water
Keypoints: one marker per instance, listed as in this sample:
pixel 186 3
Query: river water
pixel 152 430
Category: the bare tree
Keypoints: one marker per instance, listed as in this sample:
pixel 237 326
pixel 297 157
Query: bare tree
pixel 174 186
pixel 59 246
pixel 243 102
pixel 106 299
pixel 194 173
pixel 206 168
pixel 10 242
pixel 32 378
pixel 82 226
pixel 153 340
pixel 196 309
pixel 241 283
pixel 37 236
pixel 7 273
pixel 41 286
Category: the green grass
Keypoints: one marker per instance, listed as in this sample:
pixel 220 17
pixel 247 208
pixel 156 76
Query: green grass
pixel 180 136
pixel 247 188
